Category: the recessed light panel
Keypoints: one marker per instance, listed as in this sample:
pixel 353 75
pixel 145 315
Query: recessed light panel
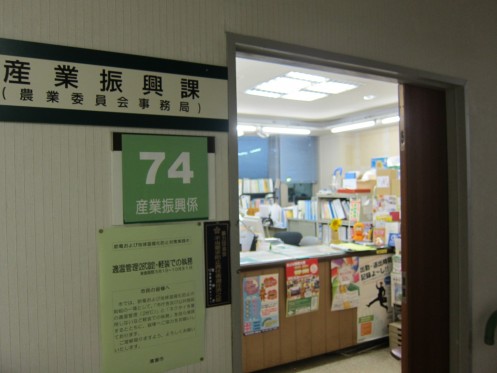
pixel 304 96
pixel 283 85
pixel 256 92
pixel 332 87
pixel 308 77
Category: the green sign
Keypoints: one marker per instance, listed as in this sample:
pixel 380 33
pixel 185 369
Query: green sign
pixel 152 302
pixel 165 178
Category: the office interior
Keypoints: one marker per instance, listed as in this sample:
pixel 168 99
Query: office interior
pixel 290 143
pixel 343 135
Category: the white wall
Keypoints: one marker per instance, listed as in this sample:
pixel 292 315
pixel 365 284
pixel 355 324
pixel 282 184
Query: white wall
pixel 50 211
pixel 353 151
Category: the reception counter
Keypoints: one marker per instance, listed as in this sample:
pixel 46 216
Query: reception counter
pixel 305 334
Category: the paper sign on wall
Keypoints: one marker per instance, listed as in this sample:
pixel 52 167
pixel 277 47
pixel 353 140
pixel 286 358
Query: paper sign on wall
pixel 152 305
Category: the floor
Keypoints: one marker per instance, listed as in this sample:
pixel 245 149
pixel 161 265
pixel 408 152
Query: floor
pixel 376 359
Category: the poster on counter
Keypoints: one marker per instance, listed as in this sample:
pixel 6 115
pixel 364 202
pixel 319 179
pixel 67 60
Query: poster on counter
pixel 152 306
pixel 375 308
pixel 302 287
pixel 345 283
pixel 260 303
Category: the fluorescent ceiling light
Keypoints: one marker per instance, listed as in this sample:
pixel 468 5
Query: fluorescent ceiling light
pixel 369 97
pixel 286 130
pixel 352 127
pixel 256 92
pixel 256 150
pixel 304 96
pixel 332 87
pixel 283 85
pixel 390 120
pixel 246 128
pixel 308 77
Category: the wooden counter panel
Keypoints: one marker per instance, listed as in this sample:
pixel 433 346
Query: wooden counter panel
pixel 301 336
pixel 304 335
pixel 348 327
pixel 318 321
pixel 271 340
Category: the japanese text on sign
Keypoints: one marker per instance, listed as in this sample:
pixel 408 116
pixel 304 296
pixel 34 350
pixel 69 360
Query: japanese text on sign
pixel 33 82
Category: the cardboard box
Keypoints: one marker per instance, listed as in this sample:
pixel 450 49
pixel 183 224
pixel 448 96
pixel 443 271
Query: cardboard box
pixel 367 184
pixel 387 182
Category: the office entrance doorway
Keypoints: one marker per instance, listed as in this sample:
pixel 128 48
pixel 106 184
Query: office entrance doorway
pixel 428 112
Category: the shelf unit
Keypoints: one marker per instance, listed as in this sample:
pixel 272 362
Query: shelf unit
pixel 253 192
pixel 328 209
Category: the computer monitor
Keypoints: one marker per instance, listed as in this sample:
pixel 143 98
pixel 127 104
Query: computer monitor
pixel 250 226
pixel 254 225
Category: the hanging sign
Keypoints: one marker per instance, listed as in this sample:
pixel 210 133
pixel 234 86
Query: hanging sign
pixel 165 178
pixel 55 84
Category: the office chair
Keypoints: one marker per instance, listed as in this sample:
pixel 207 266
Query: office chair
pixel 309 241
pixel 290 238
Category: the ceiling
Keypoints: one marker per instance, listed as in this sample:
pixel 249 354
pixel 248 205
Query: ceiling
pixel 318 114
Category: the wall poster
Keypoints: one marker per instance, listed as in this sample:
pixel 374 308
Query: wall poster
pixel 375 308
pixel 345 283
pixel 260 303
pixel 302 286
pixel 152 305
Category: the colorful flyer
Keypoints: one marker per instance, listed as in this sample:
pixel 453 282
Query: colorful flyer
pixel 260 303
pixel 355 210
pixel 302 287
pixel 344 283
pixel 375 307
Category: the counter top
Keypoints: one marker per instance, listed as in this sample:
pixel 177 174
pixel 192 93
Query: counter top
pixel 283 253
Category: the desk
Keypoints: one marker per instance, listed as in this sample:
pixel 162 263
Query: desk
pixel 305 335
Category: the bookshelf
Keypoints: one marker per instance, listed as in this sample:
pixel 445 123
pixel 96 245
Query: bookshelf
pixel 255 186
pixel 253 193
pixel 341 206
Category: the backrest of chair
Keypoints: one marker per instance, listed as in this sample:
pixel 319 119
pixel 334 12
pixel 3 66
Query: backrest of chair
pixel 290 238
pixel 309 241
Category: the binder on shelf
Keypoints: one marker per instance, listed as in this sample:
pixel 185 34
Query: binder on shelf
pixel 346 208
pixel 248 186
pixel 337 206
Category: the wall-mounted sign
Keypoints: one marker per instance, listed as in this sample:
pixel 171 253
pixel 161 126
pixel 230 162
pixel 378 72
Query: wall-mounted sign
pixel 151 297
pixel 217 263
pixel 54 84
pixel 165 178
